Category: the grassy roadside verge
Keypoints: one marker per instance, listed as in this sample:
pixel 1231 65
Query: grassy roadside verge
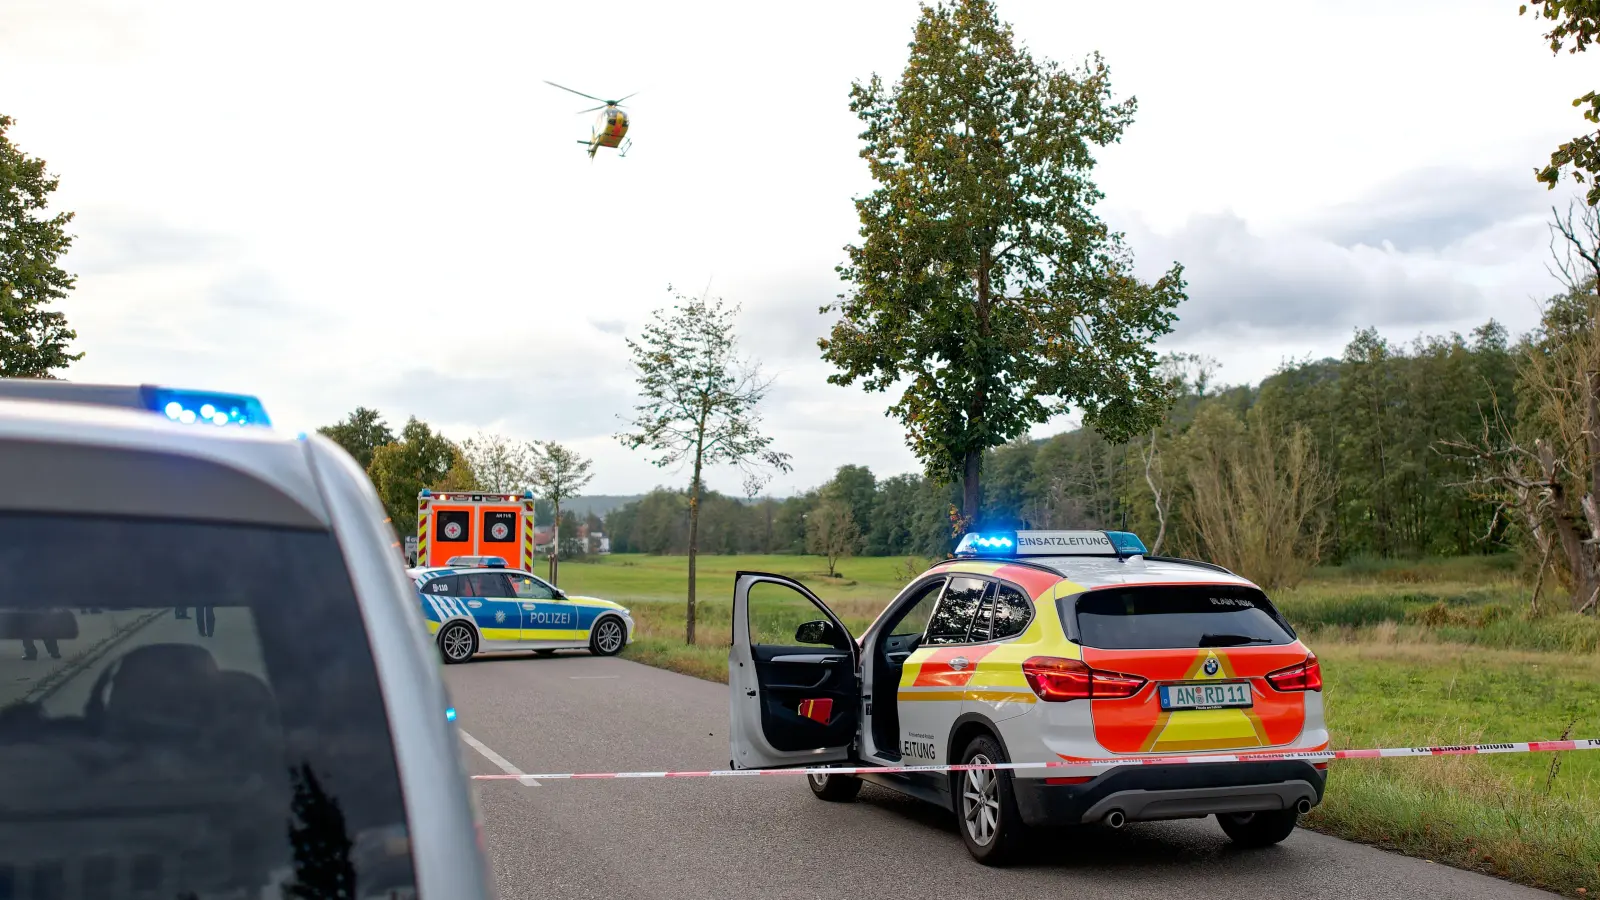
pixel 1431 654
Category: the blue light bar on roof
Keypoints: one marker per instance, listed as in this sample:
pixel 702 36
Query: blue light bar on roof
pixel 483 562
pixel 1050 543
pixel 1127 543
pixel 988 543
pixel 206 407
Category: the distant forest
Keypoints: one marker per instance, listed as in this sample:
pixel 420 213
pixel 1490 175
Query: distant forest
pixel 1352 445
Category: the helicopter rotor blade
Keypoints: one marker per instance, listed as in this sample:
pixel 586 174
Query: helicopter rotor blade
pixel 579 93
pixel 592 109
pixel 619 102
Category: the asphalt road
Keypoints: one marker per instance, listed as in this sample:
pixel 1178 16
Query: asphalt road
pixel 718 838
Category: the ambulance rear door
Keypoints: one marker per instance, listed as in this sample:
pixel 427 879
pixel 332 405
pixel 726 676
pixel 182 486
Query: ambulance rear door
pixel 499 529
pixel 452 531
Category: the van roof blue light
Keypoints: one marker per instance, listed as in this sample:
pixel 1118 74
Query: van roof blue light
pixel 206 407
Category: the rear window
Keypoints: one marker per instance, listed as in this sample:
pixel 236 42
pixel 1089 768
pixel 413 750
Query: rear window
pixel 1175 617
pixel 189 710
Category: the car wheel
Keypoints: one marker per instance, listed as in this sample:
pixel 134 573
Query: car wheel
pixel 457 643
pixel 1260 829
pixel 607 637
pixel 834 788
pixel 986 806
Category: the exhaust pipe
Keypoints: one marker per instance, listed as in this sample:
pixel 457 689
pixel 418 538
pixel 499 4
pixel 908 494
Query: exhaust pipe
pixel 1115 819
pixel 1303 807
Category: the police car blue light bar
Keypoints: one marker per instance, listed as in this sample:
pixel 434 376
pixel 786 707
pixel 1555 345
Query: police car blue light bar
pixel 206 407
pixel 477 562
pixel 1050 543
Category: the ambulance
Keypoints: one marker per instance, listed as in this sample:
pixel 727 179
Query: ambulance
pixel 474 523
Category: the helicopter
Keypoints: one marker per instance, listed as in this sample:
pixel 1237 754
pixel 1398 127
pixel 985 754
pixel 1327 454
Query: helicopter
pixel 610 127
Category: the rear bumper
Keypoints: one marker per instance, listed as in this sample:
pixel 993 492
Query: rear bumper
pixel 1144 793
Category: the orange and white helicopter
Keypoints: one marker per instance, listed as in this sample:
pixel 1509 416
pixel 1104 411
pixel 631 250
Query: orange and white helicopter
pixel 610 127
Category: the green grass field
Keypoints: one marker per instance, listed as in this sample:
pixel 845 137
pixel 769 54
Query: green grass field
pixel 1434 653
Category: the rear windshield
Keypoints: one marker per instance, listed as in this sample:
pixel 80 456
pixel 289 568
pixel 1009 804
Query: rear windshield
pixel 189 710
pixel 1175 617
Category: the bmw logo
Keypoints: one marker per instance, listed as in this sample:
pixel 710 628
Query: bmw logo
pixel 1212 666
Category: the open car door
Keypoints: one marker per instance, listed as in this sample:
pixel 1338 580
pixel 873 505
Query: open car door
pixel 794 692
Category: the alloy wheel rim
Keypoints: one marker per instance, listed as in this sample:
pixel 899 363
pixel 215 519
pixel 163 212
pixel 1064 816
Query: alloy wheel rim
pixel 610 637
pixel 980 801
pixel 458 643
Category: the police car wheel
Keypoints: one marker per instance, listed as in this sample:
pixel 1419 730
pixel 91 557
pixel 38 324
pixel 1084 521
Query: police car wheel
pixel 834 788
pixel 1260 829
pixel 607 637
pixel 985 805
pixel 457 643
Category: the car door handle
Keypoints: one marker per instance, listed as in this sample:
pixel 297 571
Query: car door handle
pixel 812 658
pixel 898 657
pixel 527 606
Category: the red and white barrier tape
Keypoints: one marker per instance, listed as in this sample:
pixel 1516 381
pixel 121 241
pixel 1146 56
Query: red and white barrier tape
pixel 1308 755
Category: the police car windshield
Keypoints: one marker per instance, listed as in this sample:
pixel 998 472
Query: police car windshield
pixel 1149 617
pixel 189 710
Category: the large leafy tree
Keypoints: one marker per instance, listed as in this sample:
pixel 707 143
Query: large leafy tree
pixel 556 473
pixel 698 405
pixel 1574 25
pixel 33 339
pixel 360 433
pixel 983 279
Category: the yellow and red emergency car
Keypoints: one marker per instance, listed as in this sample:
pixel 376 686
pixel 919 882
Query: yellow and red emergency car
pixel 473 523
pixel 1036 646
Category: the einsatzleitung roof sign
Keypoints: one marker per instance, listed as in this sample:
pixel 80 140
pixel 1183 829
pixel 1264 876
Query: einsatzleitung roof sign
pixel 1050 543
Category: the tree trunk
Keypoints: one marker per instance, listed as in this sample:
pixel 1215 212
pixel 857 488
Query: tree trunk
pixel 555 548
pixel 1155 493
pixel 694 542
pixel 970 493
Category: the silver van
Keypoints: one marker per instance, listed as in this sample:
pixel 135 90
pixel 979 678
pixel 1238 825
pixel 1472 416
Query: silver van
pixel 212 682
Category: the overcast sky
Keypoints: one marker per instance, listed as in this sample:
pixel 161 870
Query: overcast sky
pixel 335 204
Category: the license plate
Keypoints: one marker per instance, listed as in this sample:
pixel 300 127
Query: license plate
pixel 1221 695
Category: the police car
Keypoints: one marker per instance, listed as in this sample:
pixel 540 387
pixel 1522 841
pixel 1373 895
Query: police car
pixel 146 756
pixel 481 606
pixel 1047 647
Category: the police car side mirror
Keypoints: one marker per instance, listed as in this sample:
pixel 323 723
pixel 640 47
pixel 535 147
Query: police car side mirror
pixel 818 632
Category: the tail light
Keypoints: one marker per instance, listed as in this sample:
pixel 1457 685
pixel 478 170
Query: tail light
pixel 1306 676
pixel 1071 679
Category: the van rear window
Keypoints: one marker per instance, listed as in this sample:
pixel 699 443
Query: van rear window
pixel 1149 617
pixel 189 710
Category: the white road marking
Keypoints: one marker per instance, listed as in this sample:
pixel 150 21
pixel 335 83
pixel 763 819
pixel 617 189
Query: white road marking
pixel 590 677
pixel 500 761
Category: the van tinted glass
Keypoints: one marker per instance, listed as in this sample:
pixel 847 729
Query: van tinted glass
pixel 189 710
pixel 1175 617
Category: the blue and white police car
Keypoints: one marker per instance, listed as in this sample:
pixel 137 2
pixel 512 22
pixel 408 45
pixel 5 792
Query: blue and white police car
pixel 477 605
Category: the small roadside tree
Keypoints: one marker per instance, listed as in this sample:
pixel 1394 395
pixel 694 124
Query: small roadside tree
pixel 33 339
pixel 559 473
pixel 1257 495
pixel 831 532
pixel 698 405
pixel 500 465
pixel 983 281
